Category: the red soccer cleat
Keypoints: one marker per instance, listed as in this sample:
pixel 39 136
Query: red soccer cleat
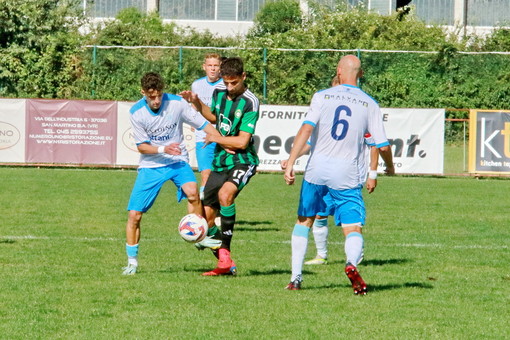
pixel 359 286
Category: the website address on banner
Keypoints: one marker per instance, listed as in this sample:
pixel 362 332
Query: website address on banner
pixel 70 142
pixel 69 137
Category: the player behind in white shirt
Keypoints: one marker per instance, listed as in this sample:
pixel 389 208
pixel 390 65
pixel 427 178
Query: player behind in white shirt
pixel 157 124
pixel 336 124
pixel 204 88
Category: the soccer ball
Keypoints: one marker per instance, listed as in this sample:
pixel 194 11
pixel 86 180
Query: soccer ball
pixel 193 228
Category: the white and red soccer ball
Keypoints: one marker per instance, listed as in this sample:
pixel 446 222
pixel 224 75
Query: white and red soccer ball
pixel 193 228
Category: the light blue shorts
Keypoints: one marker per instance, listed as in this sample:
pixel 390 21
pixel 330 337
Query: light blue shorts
pixel 150 180
pixel 330 207
pixel 205 155
pixel 346 205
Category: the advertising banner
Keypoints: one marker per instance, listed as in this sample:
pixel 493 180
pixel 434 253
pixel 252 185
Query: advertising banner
pixel 12 131
pixel 416 136
pixel 274 134
pixel 489 142
pixel 417 140
pixel 65 131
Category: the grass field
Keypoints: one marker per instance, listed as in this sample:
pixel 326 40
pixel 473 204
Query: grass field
pixel 436 262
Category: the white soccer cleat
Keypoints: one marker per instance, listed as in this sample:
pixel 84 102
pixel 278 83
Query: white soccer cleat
pixel 208 242
pixel 317 260
pixel 129 270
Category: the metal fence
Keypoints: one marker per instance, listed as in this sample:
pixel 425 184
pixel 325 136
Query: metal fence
pixel 477 12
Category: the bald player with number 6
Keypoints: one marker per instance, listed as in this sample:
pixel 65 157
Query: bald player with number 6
pixel 336 123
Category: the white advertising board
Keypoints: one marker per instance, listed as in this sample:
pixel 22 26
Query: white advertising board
pixel 12 130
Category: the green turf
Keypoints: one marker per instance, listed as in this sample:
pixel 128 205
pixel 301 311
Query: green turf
pixel 436 262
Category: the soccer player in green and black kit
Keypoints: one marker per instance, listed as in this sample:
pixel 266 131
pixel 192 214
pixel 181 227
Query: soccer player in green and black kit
pixel 235 112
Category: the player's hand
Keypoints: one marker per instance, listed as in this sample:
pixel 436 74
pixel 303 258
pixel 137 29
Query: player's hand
pixel 284 163
pixel 190 97
pixel 390 171
pixel 173 149
pixel 371 184
pixel 289 175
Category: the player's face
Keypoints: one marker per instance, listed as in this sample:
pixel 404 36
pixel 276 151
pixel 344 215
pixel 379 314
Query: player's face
pixel 153 98
pixel 235 84
pixel 212 69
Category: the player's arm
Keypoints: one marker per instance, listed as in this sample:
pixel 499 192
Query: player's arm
pixel 387 157
pixel 171 149
pixel 239 142
pixel 304 151
pixel 199 105
pixel 374 159
pixel 302 136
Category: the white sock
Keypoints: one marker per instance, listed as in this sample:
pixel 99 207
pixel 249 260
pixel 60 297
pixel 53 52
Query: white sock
pixel 354 247
pixel 320 235
pixel 299 244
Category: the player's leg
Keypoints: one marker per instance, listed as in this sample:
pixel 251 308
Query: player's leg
pixel 211 207
pixel 320 235
pixel 310 202
pixel 184 179
pixel 236 179
pixel 350 214
pixel 147 185
pixel 205 156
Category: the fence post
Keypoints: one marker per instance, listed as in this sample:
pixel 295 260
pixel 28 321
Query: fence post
pixel 264 82
pixel 180 65
pixel 94 61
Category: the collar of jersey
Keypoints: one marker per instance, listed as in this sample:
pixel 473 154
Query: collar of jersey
pixel 216 82
pixel 347 85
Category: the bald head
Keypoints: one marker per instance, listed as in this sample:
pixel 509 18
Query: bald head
pixel 349 70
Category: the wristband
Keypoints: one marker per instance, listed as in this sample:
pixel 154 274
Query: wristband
pixel 161 149
pixel 372 174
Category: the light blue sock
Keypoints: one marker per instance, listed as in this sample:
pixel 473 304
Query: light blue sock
pixel 299 244
pixel 132 254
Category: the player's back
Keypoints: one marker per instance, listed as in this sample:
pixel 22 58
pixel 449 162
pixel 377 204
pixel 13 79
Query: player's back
pixel 342 115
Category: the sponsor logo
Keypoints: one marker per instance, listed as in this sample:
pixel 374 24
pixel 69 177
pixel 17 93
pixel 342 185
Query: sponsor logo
pixel 128 140
pixel 9 135
pixel 346 98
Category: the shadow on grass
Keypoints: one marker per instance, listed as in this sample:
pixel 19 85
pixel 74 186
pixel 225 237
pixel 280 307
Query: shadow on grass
pixel 8 241
pixel 376 262
pixel 378 288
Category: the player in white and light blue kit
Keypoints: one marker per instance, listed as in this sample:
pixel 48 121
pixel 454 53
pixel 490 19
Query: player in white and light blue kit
pixel 157 125
pixel 336 123
pixel 204 88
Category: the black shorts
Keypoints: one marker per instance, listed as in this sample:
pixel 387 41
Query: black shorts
pixel 239 175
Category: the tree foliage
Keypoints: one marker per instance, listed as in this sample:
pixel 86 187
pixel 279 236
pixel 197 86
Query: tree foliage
pixel 43 55
pixel 39 43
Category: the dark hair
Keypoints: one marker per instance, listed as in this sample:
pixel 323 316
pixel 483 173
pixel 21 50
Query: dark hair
pixel 152 81
pixel 232 67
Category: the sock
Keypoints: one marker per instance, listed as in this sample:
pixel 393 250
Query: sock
pixel 201 193
pixel 228 219
pixel 354 247
pixel 132 253
pixel 299 242
pixel 212 231
pixel 320 235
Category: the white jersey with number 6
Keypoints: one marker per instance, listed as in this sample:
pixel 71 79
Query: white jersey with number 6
pixel 341 116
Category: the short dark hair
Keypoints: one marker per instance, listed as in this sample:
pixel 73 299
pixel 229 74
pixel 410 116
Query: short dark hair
pixel 152 81
pixel 232 67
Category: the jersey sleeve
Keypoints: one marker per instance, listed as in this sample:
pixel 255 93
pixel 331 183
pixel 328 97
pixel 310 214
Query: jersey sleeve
pixel 250 118
pixel 376 127
pixel 193 117
pixel 314 111
pixel 139 133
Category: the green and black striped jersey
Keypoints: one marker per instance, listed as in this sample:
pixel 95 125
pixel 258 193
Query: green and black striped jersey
pixel 233 116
